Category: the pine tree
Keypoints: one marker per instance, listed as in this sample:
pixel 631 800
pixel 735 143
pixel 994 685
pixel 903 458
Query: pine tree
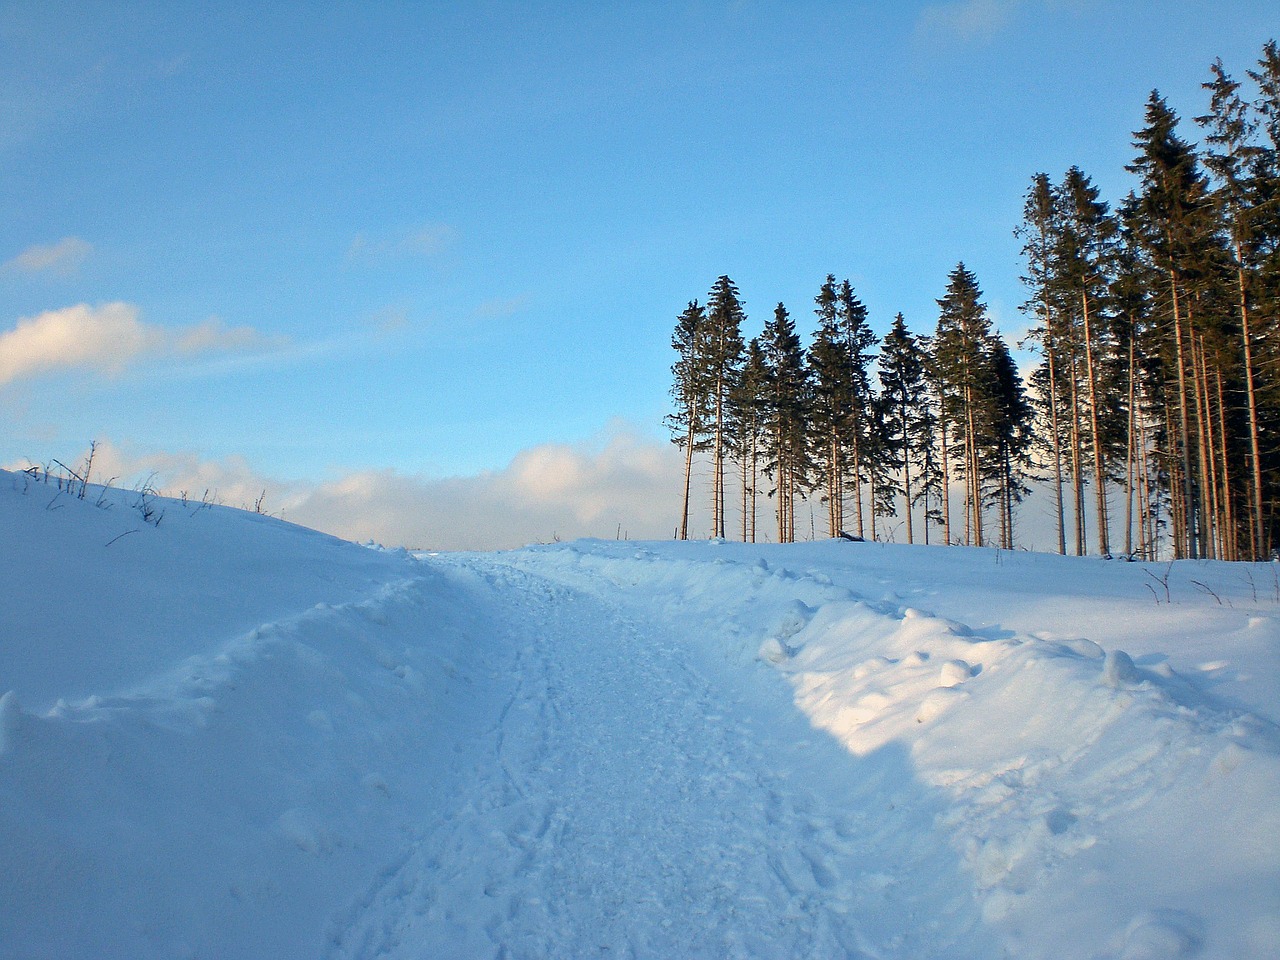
pixel 1134 335
pixel 689 390
pixel 1039 229
pixel 963 367
pixel 903 394
pixel 749 424
pixel 1231 159
pixel 1265 182
pixel 832 400
pixel 1084 255
pixel 787 409
pixel 1172 213
pixel 723 365
pixel 859 341
pixel 1009 436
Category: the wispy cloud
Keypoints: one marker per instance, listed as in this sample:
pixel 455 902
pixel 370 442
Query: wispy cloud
pixel 428 241
pixel 172 66
pixel 59 259
pixel 501 307
pixel 109 338
pixel 969 21
pixel 623 483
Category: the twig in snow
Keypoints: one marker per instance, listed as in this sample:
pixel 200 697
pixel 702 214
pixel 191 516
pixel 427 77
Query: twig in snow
pixel 1205 587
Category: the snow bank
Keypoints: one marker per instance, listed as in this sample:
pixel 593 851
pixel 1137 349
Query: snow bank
pixel 229 736
pixel 1103 808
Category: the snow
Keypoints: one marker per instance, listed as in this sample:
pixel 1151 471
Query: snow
pixel 227 736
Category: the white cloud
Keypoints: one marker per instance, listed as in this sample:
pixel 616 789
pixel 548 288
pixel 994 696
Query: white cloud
pixel 966 20
pixel 427 241
pixel 627 486
pixel 108 338
pixel 498 308
pixel 60 259
pixel 623 485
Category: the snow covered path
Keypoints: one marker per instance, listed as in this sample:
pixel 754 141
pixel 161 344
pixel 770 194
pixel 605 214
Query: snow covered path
pixel 623 805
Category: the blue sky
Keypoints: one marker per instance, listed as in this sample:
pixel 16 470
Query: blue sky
pixel 315 242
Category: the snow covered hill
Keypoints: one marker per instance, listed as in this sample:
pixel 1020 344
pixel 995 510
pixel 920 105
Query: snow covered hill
pixel 226 736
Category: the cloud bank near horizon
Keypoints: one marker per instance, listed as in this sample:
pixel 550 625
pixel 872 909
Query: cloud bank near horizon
pixel 622 486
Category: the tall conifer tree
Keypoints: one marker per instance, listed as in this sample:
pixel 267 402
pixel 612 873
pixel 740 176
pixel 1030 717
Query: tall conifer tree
pixel 903 394
pixel 724 363
pixel 787 409
pixel 689 391
pixel 963 366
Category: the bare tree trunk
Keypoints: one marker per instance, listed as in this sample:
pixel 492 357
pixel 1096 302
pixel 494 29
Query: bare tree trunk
pixel 1130 454
pixel 688 472
pixel 1208 446
pixel 1077 478
pixel 906 471
pixel 946 485
pixel 1147 510
pixel 1049 350
pixel 1230 535
pixel 1099 469
pixel 857 481
pixel 1255 456
pixel 1207 491
pixel 1190 511
pixel 975 479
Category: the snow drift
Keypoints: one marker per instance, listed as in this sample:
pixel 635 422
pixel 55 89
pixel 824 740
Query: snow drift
pixel 228 736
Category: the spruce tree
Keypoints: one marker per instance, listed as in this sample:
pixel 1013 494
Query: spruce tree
pixel 903 393
pixel 689 392
pixel 1232 157
pixel 787 410
pixel 859 341
pixel 831 404
pixel 749 424
pixel 1039 229
pixel 725 317
pixel 1265 180
pixel 1008 437
pixel 962 365
pixel 1173 215
pixel 1084 258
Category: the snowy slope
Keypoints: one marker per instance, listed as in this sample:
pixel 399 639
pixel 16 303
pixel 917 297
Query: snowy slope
pixel 232 737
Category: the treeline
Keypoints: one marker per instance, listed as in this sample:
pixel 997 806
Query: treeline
pixel 1157 324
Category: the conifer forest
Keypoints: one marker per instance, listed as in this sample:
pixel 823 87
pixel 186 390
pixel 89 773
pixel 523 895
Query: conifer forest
pixel 1151 415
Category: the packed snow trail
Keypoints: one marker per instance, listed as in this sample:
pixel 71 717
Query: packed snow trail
pixel 623 805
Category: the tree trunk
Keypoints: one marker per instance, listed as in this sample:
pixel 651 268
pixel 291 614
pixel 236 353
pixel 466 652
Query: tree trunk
pixel 1190 511
pixel 906 471
pixel 1099 470
pixel 1050 349
pixel 1256 545
pixel 946 485
pixel 1077 479
pixel 1130 453
pixel 688 471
